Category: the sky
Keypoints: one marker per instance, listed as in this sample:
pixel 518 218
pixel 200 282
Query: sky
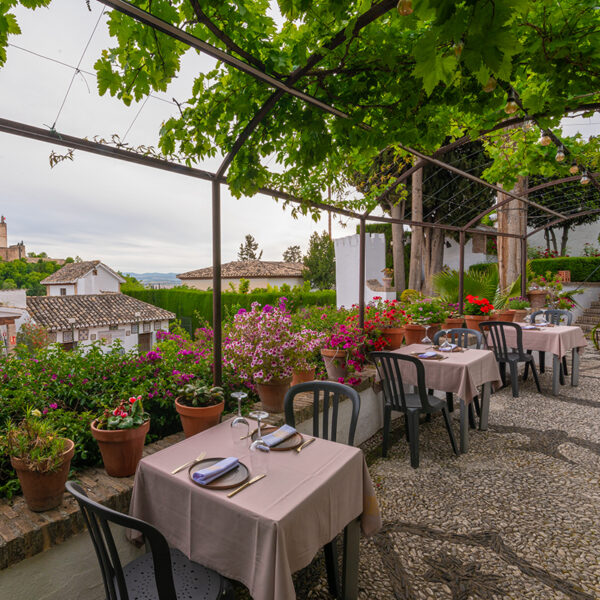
pixel 133 218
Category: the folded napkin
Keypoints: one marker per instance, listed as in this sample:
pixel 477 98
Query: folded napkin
pixel 283 433
pixel 427 355
pixel 534 327
pixel 448 348
pixel 542 324
pixel 204 476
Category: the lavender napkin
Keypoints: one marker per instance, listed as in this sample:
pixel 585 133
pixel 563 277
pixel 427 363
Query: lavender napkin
pixel 283 433
pixel 448 348
pixel 427 355
pixel 204 476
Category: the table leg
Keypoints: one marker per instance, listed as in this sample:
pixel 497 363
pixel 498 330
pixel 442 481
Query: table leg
pixel 464 427
pixel 555 374
pixel 575 368
pixel 350 560
pixel 485 406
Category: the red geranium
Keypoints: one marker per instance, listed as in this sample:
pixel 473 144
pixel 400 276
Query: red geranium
pixel 475 305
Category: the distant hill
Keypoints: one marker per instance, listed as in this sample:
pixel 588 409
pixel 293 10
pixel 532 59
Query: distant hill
pixel 149 278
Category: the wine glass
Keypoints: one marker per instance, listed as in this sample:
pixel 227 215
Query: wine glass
pixel 240 428
pixel 426 339
pixel 446 344
pixel 527 318
pixel 259 451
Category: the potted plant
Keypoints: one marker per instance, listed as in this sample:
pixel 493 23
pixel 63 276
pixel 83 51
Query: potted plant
pixel 518 305
pixel 544 289
pixel 307 343
pixel 385 319
pixel 388 275
pixel 476 310
pixel 429 312
pixel 339 348
pixel 199 406
pixel 121 433
pixel 41 458
pixel 504 314
pixel 454 320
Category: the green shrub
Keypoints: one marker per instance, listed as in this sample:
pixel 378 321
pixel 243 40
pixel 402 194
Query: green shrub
pixel 581 267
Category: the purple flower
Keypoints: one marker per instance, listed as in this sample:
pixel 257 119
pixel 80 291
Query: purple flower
pixel 242 311
pixel 53 406
pixel 267 308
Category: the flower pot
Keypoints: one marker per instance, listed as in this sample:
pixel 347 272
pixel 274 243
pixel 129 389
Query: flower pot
pixel 335 362
pixel 303 376
pixel 387 282
pixel 44 491
pixel 121 449
pixel 504 315
pixel 537 298
pixel 394 337
pixel 272 394
pixel 519 315
pixel 413 334
pixel 454 323
pixel 473 321
pixel 195 419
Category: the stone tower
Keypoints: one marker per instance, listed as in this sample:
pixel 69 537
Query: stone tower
pixel 3 233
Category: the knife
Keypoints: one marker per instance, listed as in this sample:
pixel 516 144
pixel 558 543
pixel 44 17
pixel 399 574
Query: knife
pixel 245 485
pixel 306 443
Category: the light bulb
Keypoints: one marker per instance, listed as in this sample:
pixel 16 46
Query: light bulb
pixel 527 125
pixel 584 178
pixel 511 103
pixel 545 140
pixel 560 154
pixel 490 86
pixel 405 7
pixel 574 169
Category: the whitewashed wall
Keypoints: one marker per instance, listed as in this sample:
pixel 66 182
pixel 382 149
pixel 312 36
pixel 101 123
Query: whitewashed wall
pixel 577 238
pixel 104 281
pixel 54 290
pixel 451 255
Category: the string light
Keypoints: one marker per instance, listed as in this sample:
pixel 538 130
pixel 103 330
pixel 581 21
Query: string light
pixel 560 154
pixel 584 178
pixel 574 168
pixel 405 7
pixel 545 140
pixel 511 103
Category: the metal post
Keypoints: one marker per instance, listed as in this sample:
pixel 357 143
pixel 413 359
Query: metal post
pixel 523 267
pixel 216 283
pixel 461 272
pixel 361 276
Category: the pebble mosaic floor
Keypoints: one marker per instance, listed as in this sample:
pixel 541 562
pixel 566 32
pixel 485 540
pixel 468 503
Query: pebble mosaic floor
pixel 518 517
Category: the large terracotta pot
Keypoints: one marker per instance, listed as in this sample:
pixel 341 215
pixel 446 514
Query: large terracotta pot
pixel 121 449
pixel 519 315
pixel 413 334
pixel 44 491
pixel 195 419
pixel 394 336
pixel 335 362
pixel 303 376
pixel 272 394
pixel 504 315
pixel 537 298
pixel 454 323
pixel 473 321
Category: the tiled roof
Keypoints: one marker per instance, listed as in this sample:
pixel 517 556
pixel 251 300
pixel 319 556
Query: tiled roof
pixel 249 269
pixel 93 310
pixel 71 272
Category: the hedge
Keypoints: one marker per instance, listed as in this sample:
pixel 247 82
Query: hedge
pixel 191 306
pixel 581 267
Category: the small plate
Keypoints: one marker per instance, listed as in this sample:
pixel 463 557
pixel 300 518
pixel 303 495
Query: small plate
pixel 290 444
pixel 226 481
pixel 436 357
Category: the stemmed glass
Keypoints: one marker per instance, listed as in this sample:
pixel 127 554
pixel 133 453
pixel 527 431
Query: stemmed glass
pixel 240 428
pixel 259 451
pixel 527 318
pixel 426 339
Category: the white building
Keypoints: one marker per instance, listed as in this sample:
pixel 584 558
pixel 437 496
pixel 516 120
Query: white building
pixel 260 273
pixel 88 277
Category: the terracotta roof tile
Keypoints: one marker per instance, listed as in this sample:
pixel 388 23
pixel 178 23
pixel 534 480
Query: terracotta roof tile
pixel 71 272
pixel 249 269
pixel 94 310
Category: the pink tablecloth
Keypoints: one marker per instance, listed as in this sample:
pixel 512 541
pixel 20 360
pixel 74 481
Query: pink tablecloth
pixel 460 372
pixel 559 340
pixel 270 530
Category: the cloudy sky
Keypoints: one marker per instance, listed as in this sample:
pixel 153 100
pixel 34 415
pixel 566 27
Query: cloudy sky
pixel 131 217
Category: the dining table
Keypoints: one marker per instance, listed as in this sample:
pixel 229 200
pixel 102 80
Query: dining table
pixel 272 528
pixel 461 372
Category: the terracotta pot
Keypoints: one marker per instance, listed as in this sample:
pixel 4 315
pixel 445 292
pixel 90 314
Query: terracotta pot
pixel 473 321
pixel 303 376
pixel 394 336
pixel 335 363
pixel 272 394
pixel 454 323
pixel 537 298
pixel 195 419
pixel 387 282
pixel 519 315
pixel 413 334
pixel 44 491
pixel 504 315
pixel 121 449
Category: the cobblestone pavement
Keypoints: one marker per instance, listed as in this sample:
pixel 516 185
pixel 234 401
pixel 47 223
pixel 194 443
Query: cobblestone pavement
pixel 517 517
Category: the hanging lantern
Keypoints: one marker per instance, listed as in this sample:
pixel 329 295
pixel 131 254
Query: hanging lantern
pixel 545 140
pixel 511 103
pixel 574 169
pixel 560 154
pixel 584 178
pixel 405 7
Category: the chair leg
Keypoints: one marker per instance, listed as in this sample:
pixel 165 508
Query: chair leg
pixel 514 378
pixel 503 373
pixel 228 591
pixel 406 428
pixel 450 401
pixel 428 418
pixel 535 377
pixel 564 363
pixel 387 418
pixel 526 371
pixel 542 362
pixel 331 565
pixel 472 423
pixel 477 405
pixel 413 426
pixel 449 429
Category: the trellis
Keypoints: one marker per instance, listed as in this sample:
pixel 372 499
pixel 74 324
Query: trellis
pixel 287 87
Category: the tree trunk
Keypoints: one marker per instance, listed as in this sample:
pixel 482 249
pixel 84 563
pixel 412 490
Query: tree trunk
pixel 397 212
pixel 554 245
pixel 512 218
pixel 435 257
pixel 415 276
pixel 564 239
pixel 547 238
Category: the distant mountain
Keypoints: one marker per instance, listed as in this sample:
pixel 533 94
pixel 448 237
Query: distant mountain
pixel 155 277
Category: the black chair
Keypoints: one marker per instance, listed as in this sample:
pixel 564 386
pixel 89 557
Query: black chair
pixel 161 574
pixel 331 393
pixel 495 339
pixel 556 317
pixel 461 337
pixel 411 404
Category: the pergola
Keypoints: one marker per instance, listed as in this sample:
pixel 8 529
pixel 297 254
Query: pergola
pixel 282 87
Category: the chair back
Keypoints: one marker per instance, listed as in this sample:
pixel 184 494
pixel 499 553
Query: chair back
pixel 495 338
pixel 97 519
pixel 388 367
pixel 331 393
pixel 554 316
pixel 459 336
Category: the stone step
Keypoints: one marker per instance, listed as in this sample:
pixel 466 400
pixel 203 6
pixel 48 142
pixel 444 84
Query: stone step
pixel 588 319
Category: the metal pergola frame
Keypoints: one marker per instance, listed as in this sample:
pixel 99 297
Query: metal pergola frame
pixel 282 88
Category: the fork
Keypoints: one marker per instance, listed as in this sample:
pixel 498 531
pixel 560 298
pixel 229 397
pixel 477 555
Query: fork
pixel 187 464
